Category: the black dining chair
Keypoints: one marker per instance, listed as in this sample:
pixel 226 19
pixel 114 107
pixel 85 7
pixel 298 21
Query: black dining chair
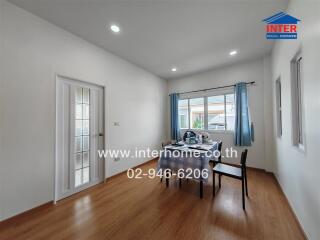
pixel 239 173
pixel 214 161
pixel 217 160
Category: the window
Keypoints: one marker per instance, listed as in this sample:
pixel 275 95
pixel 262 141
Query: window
pixel 230 111
pixel 216 113
pixel 279 107
pixel 297 106
pixel 183 106
pixel 208 113
pixel 197 113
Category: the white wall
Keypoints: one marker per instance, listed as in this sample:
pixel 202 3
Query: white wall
pixel 268 113
pixel 255 70
pixel 298 172
pixel 34 52
pixel 1 109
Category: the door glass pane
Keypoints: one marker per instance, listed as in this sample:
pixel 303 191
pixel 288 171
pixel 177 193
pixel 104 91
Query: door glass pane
pixel 85 159
pixel 183 114
pixel 230 111
pixel 78 111
pixel 196 113
pixel 82 136
pixel 85 176
pixel 85 112
pixel 78 93
pixel 85 146
pixel 78 144
pixel 216 115
pixel 78 131
pixel 86 95
pixel 78 159
pixel 78 177
pixel 85 130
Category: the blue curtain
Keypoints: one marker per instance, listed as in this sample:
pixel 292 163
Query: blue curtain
pixel 243 134
pixel 175 130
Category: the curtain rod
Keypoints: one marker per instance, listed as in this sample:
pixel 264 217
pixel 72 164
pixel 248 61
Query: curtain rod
pixel 207 89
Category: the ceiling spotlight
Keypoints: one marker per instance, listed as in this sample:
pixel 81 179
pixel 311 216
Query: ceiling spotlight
pixel 115 28
pixel 234 52
pixel 173 69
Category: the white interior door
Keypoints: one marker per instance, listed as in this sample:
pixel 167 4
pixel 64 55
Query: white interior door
pixel 79 136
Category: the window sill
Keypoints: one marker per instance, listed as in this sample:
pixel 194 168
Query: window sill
pixel 221 131
pixel 209 131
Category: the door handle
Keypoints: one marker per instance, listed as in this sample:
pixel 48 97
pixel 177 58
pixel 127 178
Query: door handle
pixel 101 134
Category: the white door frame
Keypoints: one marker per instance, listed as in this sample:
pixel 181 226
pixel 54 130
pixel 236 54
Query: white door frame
pixel 58 79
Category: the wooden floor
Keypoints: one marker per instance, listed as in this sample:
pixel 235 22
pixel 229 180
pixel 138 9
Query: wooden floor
pixel 145 209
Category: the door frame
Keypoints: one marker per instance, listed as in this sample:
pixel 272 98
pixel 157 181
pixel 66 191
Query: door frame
pixel 58 79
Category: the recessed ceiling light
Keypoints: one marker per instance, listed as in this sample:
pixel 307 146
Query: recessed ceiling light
pixel 234 52
pixel 174 69
pixel 115 28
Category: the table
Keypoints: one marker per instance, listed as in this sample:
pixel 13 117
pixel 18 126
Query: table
pixel 190 161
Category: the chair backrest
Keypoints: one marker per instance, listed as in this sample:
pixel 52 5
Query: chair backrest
pixel 219 149
pixel 244 158
pixel 190 133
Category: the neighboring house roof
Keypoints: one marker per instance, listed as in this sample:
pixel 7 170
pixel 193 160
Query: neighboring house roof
pixel 281 18
pixel 219 119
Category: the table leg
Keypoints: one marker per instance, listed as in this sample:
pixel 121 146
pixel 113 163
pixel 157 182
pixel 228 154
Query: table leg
pixel 213 183
pixel 167 179
pixel 201 189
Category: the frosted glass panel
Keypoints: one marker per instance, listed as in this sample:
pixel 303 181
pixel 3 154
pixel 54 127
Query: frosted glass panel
pixel 85 175
pixel 78 111
pixel 85 127
pixel 85 143
pixel 78 160
pixel 86 95
pixel 78 131
pixel 82 136
pixel 78 144
pixel 78 177
pixel 85 159
pixel 85 110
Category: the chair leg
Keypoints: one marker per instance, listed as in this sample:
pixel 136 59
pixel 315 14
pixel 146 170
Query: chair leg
pixel 167 179
pixel 201 189
pixel 213 183
pixel 246 179
pixel 219 180
pixel 243 197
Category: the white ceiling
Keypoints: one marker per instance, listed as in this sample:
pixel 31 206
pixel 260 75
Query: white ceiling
pixel 193 35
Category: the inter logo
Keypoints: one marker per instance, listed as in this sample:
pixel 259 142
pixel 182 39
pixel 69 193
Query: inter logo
pixel 281 26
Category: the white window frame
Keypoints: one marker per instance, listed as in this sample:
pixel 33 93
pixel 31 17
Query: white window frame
pixel 298 130
pixel 205 104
